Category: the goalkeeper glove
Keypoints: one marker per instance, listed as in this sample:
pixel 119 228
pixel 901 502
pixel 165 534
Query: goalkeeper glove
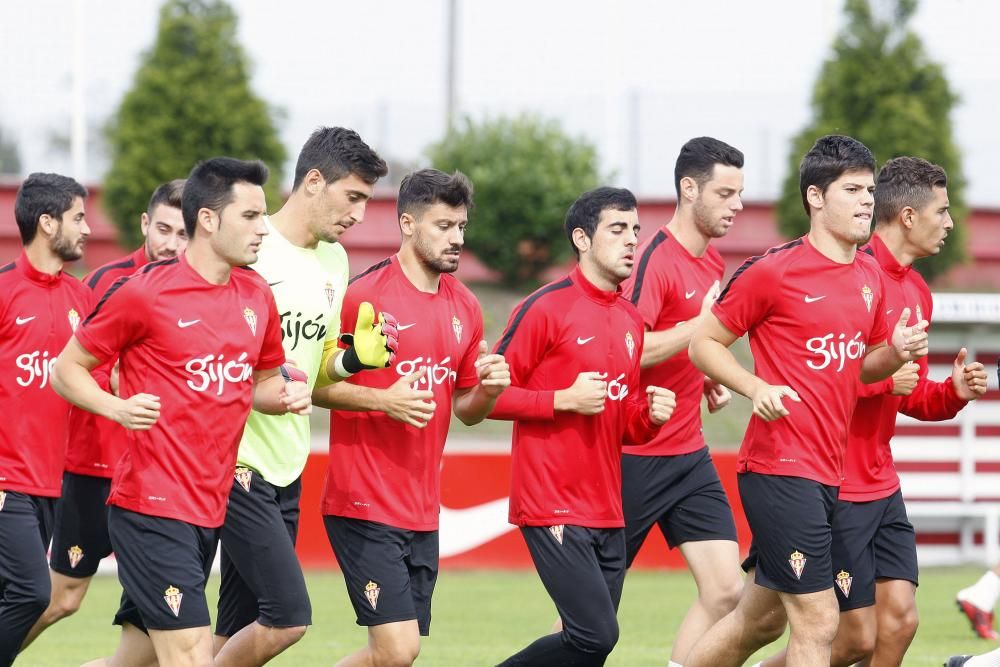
pixel 373 344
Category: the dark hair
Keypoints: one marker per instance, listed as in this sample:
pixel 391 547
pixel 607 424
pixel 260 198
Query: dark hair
pixel 210 185
pixel 337 152
pixel 169 194
pixel 830 158
pixel 906 181
pixel 585 212
pixel 42 194
pixel 426 187
pixel 698 158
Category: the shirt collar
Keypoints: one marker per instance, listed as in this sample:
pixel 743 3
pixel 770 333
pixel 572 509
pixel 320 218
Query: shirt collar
pixel 886 259
pixel 592 291
pixel 36 276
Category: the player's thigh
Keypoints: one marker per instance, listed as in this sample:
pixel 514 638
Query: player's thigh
pixel 790 521
pixel 372 558
pixel 714 564
pixel 422 557
pixel 699 510
pixel 80 538
pixel 187 646
pixel 257 543
pixel 163 566
pixel 896 544
pixel 23 566
pixel 855 525
pixel 237 607
pixel 135 649
pixel 645 498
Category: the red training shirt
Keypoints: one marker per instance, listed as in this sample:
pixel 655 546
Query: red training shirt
pixel 869 471
pixel 381 469
pixel 196 346
pixel 668 287
pixel 96 443
pixel 38 314
pixel 811 321
pixel 566 467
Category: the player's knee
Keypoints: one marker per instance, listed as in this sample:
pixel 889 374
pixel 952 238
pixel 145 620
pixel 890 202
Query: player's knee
pixel 858 643
pixel 599 640
pixel 288 636
pixel 723 600
pixel 65 604
pixel 901 625
pixel 33 599
pixel 819 624
pixel 398 654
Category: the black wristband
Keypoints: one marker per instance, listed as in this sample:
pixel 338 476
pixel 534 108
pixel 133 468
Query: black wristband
pixel 351 362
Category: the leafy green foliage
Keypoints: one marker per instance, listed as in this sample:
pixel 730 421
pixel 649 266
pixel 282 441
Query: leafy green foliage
pixel 881 88
pixel 526 172
pixel 191 100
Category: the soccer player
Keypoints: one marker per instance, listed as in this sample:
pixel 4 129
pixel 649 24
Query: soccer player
pixel 874 544
pixel 814 310
pixel 388 428
pixel 670 481
pixel 978 600
pixel 574 348
pixel 41 305
pixel 198 339
pixel 263 603
pixel 80 534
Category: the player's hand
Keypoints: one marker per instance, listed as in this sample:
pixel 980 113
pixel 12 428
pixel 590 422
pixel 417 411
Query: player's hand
pixel 296 397
pixel 710 296
pixel 374 342
pixel 909 343
pixel 405 403
pixel 716 395
pixel 969 379
pixel 905 379
pixel 494 373
pixel 138 412
pixel 661 404
pixel 585 396
pixel 767 401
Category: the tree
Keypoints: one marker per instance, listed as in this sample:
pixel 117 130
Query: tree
pixel 10 158
pixel 881 87
pixel 526 172
pixel 191 100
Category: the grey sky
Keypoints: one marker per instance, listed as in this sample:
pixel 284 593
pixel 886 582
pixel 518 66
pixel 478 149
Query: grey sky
pixel 638 78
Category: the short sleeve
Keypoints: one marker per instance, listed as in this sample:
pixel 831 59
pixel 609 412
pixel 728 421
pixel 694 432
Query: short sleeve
pixel 748 297
pixel 272 354
pixel 119 319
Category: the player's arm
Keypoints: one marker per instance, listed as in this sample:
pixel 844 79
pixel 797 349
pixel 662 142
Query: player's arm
pixel 709 351
pixel 905 344
pixel 401 400
pixel 473 404
pixel 72 379
pixel 661 345
pixel 372 345
pixel 277 391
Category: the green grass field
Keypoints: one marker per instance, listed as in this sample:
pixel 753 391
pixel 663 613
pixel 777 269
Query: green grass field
pixel 481 617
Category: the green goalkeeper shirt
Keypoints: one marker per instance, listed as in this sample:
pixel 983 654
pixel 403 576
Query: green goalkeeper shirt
pixel 308 286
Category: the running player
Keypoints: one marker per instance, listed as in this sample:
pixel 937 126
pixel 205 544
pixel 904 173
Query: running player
pixel 388 428
pixel 40 306
pixel 816 318
pixel 874 545
pixel 80 536
pixel 199 341
pixel 978 600
pixel 574 348
pixel 670 481
pixel 263 603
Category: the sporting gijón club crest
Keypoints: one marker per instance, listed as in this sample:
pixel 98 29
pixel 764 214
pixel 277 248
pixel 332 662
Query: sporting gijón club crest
pixel 798 562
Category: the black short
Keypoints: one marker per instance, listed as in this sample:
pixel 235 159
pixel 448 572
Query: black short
pixel 871 540
pixel 583 570
pixel 390 572
pixel 792 538
pixel 25 585
pixel 163 565
pixel 261 576
pixel 80 539
pixel 682 494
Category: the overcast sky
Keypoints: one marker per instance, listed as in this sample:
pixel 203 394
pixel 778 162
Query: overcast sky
pixel 637 78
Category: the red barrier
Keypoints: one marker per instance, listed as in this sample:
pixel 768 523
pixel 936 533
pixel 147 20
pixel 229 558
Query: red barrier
pixel 474 531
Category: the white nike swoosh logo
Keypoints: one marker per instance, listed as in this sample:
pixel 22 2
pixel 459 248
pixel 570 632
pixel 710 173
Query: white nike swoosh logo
pixel 25 320
pixel 889 312
pixel 584 341
pixel 465 529
pixel 688 295
pixel 184 325
pixel 810 299
pixel 404 327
